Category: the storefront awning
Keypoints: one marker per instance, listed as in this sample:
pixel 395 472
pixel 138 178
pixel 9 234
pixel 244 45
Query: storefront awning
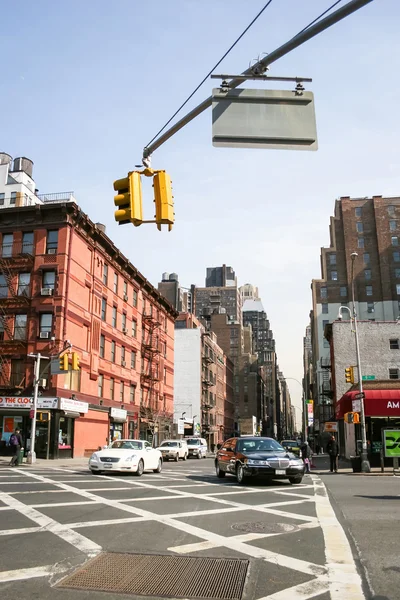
pixel 377 403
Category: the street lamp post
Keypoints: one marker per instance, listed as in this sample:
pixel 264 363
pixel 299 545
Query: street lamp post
pixel 303 401
pixel 365 466
pixel 31 458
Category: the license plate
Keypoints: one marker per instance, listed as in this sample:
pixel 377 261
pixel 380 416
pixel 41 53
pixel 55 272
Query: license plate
pixel 108 466
pixel 280 472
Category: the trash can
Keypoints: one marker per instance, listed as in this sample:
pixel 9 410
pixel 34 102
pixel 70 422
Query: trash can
pixel 20 456
pixel 356 463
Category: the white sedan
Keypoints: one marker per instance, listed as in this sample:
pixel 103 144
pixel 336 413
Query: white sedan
pixel 130 456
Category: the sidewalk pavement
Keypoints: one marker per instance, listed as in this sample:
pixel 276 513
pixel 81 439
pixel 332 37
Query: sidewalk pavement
pixel 321 467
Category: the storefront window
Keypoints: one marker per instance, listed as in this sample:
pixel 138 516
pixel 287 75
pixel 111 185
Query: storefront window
pixel 65 433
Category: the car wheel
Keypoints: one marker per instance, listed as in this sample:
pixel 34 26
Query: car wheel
pixel 140 468
pixel 220 474
pixel 295 480
pixel 199 455
pixel 185 457
pixel 240 476
pixel 159 467
pixel 176 459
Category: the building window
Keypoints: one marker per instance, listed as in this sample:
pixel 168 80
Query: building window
pixel 27 242
pixel 368 290
pixel 396 256
pixel 13 198
pixel 324 324
pixel 366 257
pixel 112 351
pixel 132 390
pixel 7 245
pixel 332 259
pixel 20 322
pixel 1 330
pixel 398 289
pixel 392 225
pixel 134 328
pixel 397 273
pixel 367 274
pixel 370 307
pixel 165 375
pixel 121 391
pixel 115 283
pixel 343 291
pixel 3 287
pixel 125 290
pixel 123 322
pixel 100 385
pixel 123 356
pixel 325 308
pixel 394 344
pixel 52 242
pixel 46 323
pixel 49 280
pixel 133 360
pixel 393 373
pixel 324 292
pixel 395 240
pixel 326 343
pixel 165 349
pixel 24 281
pixel 103 309
pixel 102 345
pixel 334 275
pixel 114 316
pixel 105 274
pixel 359 227
pixel 134 297
pixel 2 197
pixel 112 388
pixel 391 210
pixel 361 242
pixel 358 212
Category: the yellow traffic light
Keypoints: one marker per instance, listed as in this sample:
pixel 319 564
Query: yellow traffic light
pixel 349 374
pixel 356 418
pixel 64 362
pixel 75 361
pixel 164 200
pixel 129 199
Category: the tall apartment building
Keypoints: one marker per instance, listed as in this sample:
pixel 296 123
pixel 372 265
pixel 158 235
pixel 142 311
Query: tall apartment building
pixel 263 340
pixel 371 228
pixel 220 277
pixel 180 298
pixel 63 282
pixel 221 294
pixel 248 292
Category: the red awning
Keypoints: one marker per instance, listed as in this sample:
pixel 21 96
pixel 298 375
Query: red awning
pixel 377 403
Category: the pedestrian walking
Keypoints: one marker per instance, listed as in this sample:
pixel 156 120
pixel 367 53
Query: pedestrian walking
pixel 16 445
pixel 332 449
pixel 306 455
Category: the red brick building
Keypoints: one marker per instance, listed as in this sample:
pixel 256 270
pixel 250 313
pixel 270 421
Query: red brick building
pixel 63 281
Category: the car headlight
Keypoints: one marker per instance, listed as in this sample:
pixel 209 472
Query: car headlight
pixel 93 457
pixel 296 462
pixel 131 458
pixel 250 461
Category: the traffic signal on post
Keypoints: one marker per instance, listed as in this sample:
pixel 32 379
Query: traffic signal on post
pixel 75 361
pixel 352 418
pixel 349 374
pixel 129 199
pixel 164 200
pixel 64 362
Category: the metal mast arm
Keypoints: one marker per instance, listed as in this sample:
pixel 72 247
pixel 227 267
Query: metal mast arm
pixel 261 66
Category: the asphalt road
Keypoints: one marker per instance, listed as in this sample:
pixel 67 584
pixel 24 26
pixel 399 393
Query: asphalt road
pixel 54 519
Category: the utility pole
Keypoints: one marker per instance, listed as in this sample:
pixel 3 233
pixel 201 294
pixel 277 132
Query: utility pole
pixel 38 357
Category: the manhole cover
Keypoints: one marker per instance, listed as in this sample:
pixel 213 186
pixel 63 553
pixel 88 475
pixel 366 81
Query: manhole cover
pixel 261 527
pixel 162 576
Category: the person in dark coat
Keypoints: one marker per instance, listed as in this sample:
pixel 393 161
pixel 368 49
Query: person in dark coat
pixel 332 449
pixel 306 455
pixel 16 445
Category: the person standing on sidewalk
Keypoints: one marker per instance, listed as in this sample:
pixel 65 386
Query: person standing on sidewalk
pixel 306 455
pixel 332 449
pixel 16 445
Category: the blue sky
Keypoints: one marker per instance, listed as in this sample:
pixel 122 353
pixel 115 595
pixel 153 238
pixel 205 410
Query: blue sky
pixel 85 85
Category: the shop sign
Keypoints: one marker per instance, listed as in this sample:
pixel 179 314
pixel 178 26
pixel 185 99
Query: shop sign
pixel 181 427
pixel 391 443
pixel 118 413
pixel 356 405
pixel 26 402
pixel 310 411
pixel 68 404
pixel 330 426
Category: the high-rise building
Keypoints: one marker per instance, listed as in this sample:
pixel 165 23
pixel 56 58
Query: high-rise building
pixel 263 340
pixel 221 294
pixel 220 277
pixel 248 292
pixel 180 298
pixel 369 227
pixel 63 282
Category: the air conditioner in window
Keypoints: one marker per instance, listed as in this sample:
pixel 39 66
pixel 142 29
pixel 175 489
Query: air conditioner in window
pixel 44 335
pixel 52 251
pixel 43 383
pixel 125 331
pixel 126 297
pixel 46 292
pixel 123 363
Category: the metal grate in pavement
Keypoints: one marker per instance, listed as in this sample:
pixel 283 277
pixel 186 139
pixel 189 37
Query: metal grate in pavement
pixel 163 576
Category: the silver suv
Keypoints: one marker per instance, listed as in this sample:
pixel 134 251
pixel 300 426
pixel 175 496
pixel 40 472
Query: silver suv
pixel 197 447
pixel 174 449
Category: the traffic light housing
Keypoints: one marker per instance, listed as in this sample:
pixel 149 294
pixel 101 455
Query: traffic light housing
pixel 64 362
pixel 352 418
pixel 75 361
pixel 129 199
pixel 349 374
pixel 164 200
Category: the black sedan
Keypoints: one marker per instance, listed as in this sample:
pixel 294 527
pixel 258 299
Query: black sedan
pixel 258 456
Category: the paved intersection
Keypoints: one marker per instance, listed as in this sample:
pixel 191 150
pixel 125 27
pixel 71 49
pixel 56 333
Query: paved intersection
pixel 53 519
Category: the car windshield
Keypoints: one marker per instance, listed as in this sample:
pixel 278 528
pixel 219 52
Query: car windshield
pixel 259 445
pixel 170 444
pixel 127 445
pixel 193 442
pixel 289 444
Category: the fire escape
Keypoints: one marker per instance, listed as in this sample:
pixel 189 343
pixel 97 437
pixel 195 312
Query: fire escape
pixel 326 393
pixel 152 367
pixel 208 397
pixel 13 343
